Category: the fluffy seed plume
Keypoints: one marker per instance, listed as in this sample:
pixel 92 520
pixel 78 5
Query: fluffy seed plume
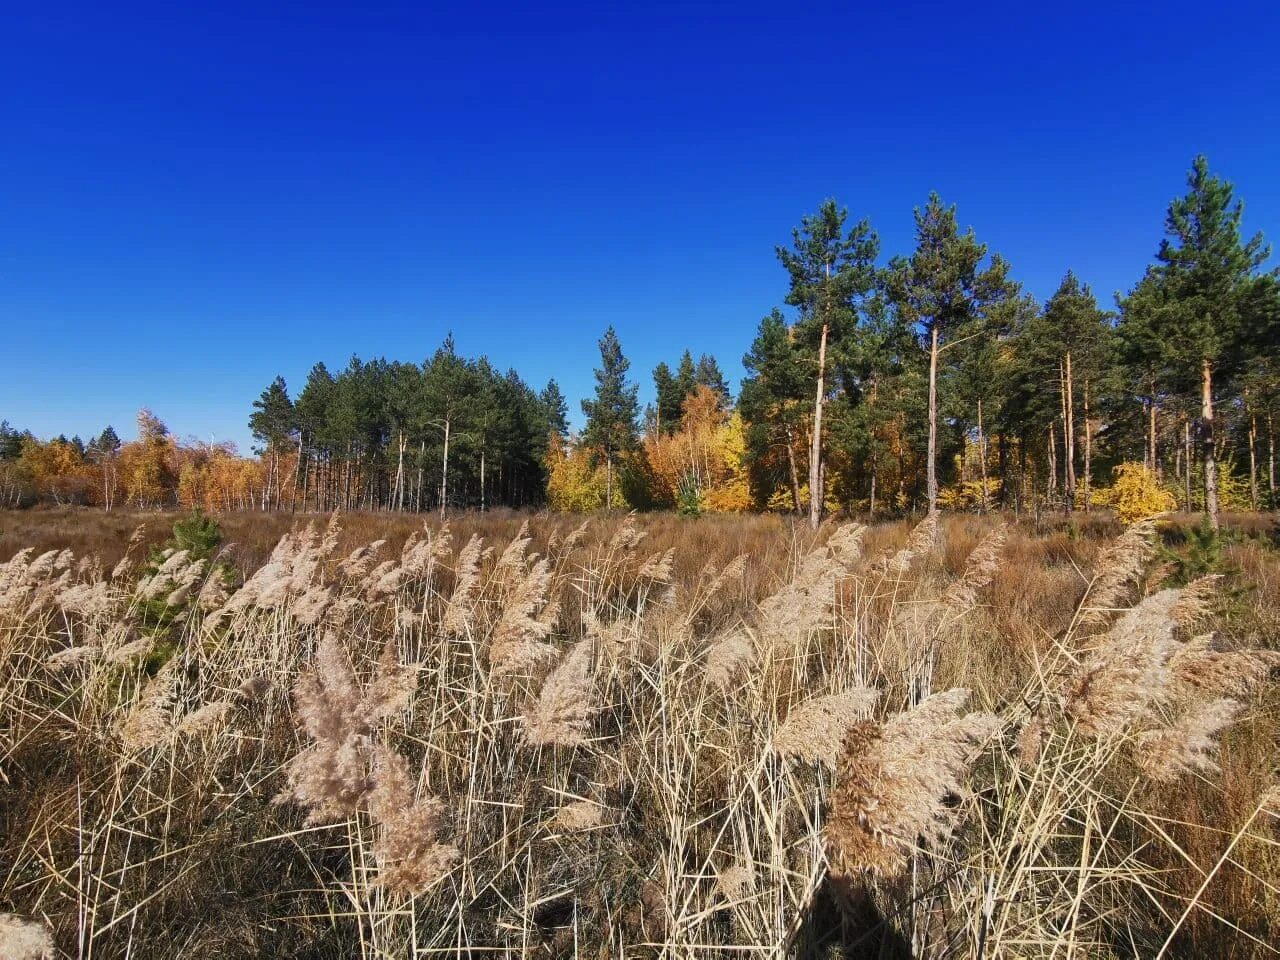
pixel 898 784
pixel 1118 569
pixel 410 856
pixel 979 570
pixel 1188 744
pixel 804 606
pixel 562 714
pixel 814 731
pixel 519 637
pixel 920 541
pixel 331 775
pixel 23 939
pixel 728 657
pixel 457 615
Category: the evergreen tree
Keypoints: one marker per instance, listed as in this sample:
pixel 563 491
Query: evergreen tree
pixel 831 273
pixel 555 408
pixel 669 398
pixel 774 402
pixel 1207 272
pixel 707 374
pixel 942 289
pixel 611 416
pixel 272 423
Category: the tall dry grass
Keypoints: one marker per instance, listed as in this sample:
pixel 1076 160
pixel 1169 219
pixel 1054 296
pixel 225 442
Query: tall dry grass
pixel 637 736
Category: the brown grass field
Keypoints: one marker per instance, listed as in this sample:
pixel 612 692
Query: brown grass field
pixel 370 736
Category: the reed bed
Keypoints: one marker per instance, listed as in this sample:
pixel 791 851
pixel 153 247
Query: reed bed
pixel 530 737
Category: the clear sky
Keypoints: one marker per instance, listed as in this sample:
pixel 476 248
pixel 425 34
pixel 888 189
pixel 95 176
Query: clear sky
pixel 196 197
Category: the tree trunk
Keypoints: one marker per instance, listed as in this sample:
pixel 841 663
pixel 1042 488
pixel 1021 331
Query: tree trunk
pixel 1271 463
pixel 1210 465
pixel 1151 436
pixel 1186 459
pixel 482 459
pixel 1253 462
pixel 1052 488
pixel 931 468
pixel 982 457
pixel 1069 435
pixel 795 474
pixel 1088 453
pixel 815 447
pixel 444 471
pixel 608 481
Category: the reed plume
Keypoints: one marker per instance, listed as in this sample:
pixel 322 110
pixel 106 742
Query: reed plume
pixel 457 615
pixel 564 710
pixel 410 856
pixel 1119 568
pixel 899 784
pixel 814 731
pixel 23 939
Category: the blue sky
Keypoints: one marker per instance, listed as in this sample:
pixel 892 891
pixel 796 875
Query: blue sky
pixel 194 198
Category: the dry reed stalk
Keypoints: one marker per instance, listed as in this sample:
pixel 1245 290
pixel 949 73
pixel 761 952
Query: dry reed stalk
pixel 410 856
pixel 564 710
pixel 897 784
pixel 814 731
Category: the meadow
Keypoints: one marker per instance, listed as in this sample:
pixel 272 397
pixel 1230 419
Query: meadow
pixel 365 735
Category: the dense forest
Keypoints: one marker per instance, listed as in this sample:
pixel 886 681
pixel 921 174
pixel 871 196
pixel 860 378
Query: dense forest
pixel 928 379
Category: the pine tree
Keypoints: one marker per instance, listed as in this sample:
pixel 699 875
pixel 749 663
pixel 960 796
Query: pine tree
pixel 707 374
pixel 611 416
pixel 942 289
pixel 774 402
pixel 1207 272
pixel 831 273
pixel 668 400
pixel 272 423
pixel 555 409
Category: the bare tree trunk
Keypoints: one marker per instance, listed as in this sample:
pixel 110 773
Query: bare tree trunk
pixel 1069 435
pixel 482 459
pixel 931 468
pixel 1186 459
pixel 444 471
pixel 1052 488
pixel 398 495
pixel 1151 437
pixel 1271 462
pixel 815 446
pixel 795 474
pixel 608 482
pixel 982 457
pixel 872 510
pixel 1253 462
pixel 1210 465
pixel 1088 453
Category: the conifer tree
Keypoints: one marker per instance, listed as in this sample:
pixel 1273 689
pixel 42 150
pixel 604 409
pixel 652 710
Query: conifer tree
pixel 611 415
pixel 831 273
pixel 942 289
pixel 1207 272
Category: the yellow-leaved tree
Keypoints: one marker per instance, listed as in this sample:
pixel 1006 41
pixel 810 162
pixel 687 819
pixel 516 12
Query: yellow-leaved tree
pixel 702 464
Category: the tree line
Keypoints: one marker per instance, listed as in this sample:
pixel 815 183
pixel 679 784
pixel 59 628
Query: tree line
pixel 930 379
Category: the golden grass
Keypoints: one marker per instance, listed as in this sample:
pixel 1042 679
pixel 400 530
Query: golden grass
pixel 528 736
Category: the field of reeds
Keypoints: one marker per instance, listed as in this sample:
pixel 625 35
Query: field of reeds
pixel 365 736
